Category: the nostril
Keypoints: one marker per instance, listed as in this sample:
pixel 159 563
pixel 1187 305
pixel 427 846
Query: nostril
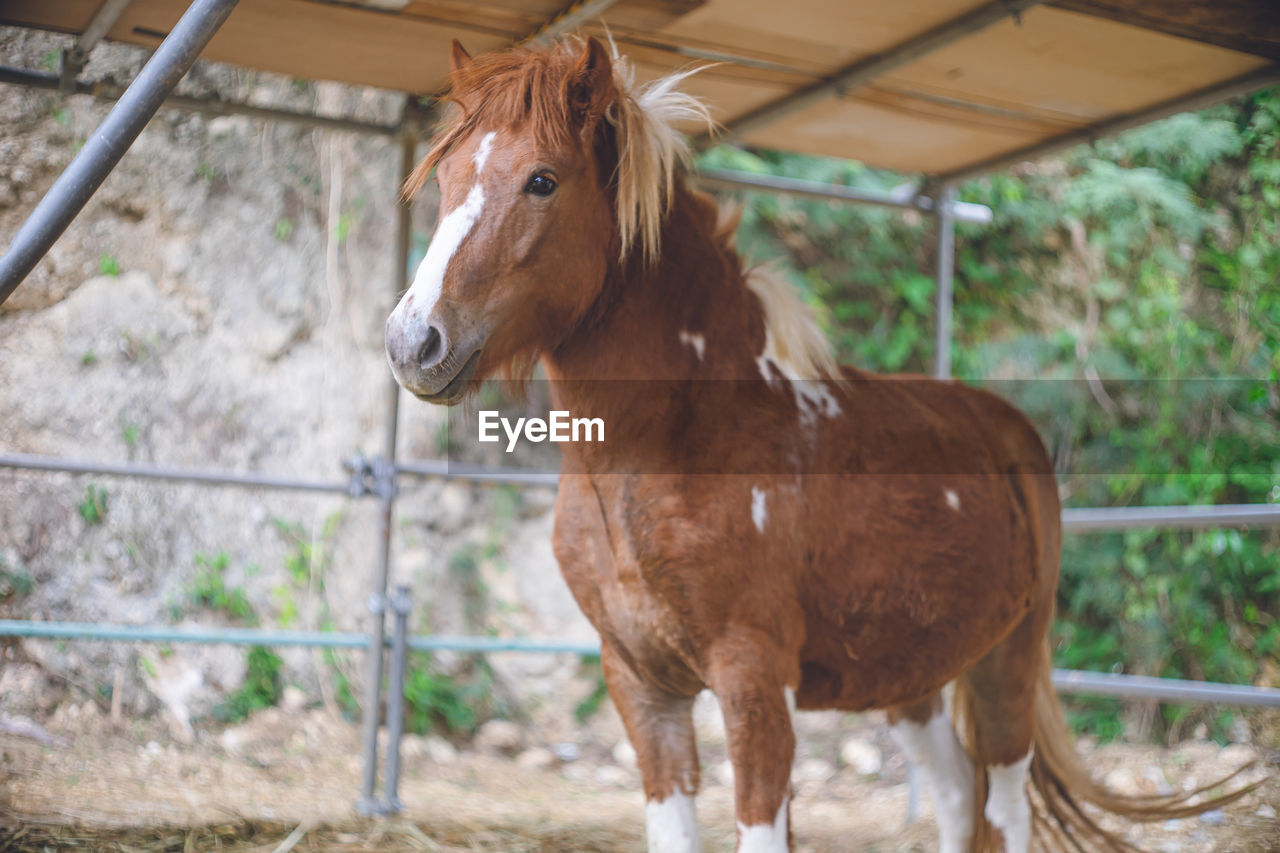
pixel 431 350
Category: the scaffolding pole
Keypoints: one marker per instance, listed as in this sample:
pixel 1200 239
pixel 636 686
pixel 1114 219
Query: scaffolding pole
pixel 111 140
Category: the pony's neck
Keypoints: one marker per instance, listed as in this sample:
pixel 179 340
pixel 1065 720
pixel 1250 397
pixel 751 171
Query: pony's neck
pixel 687 316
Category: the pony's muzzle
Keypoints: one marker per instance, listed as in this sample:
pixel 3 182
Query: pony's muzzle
pixel 416 351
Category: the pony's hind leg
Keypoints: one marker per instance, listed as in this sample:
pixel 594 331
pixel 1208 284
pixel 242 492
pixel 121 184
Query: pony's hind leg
pixel 660 726
pixel 998 696
pixel 924 732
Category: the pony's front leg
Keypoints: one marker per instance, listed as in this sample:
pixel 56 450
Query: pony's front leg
pixel 757 705
pixel 660 726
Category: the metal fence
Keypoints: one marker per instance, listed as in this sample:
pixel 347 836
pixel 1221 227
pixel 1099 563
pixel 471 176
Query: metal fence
pixel 377 477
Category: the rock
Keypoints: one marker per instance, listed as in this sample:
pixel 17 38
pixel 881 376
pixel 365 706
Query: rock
pixel 723 773
pixel 1266 812
pixel 812 770
pixel 1236 754
pixel 1213 817
pixel 1239 732
pixel 439 750
pixel 863 756
pixel 1154 777
pixel 536 758
pixel 499 736
pixel 567 751
pixel 1123 781
pixel 624 754
pixel 293 700
pixel 611 776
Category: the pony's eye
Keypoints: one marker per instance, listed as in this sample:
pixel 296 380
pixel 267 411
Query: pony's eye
pixel 540 185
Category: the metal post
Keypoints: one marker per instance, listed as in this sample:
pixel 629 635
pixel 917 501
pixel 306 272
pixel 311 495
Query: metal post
pixel 946 270
pixel 107 145
pixel 387 474
pixel 401 604
pixel 368 803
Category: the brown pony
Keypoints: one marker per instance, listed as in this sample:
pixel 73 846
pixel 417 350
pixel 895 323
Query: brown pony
pixel 795 535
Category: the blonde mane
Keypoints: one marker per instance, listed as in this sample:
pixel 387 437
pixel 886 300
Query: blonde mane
pixel 650 150
pixel 794 342
pixel 529 84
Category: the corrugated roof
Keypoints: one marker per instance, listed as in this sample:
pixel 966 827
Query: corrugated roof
pixel 934 86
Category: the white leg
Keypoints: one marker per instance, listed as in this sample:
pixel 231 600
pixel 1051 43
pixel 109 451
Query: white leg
pixel 765 838
pixel 1008 808
pixel 948 772
pixel 671 825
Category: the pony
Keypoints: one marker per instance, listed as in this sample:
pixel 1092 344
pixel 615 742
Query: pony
pixel 763 522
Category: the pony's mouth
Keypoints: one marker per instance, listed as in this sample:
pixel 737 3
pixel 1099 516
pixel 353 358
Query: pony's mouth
pixel 458 385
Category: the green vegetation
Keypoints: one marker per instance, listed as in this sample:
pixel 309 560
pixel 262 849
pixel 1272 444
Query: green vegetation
pixel 261 688
pixel 449 704
pixel 586 709
pixel 93 506
pixel 209 589
pixel 109 265
pixel 284 229
pixel 14 581
pixel 1140 275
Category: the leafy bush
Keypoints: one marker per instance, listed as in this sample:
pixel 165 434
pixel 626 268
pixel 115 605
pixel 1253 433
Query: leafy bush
pixel 261 688
pixel 209 589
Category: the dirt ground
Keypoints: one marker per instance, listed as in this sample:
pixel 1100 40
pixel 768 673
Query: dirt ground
pixel 287 781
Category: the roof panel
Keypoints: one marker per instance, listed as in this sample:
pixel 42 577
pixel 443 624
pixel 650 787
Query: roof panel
pixel 1013 84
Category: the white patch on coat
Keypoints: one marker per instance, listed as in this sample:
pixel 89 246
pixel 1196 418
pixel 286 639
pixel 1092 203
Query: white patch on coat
pixel 765 838
pixel 759 514
pixel 695 340
pixel 948 771
pixel 671 825
pixel 813 397
pixel 953 500
pixel 1008 808
pixel 482 152
pixel 428 283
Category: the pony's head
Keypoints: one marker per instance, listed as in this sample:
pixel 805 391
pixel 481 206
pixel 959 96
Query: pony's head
pixel 554 169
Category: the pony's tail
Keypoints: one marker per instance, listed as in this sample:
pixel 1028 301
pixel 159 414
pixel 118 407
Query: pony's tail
pixel 1062 786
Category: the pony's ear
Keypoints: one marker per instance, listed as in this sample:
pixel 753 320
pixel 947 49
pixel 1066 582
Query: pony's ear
pixel 458 57
pixel 589 87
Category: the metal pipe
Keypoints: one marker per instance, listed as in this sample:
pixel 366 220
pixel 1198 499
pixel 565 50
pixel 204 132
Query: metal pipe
pixel 169 634
pixel 1164 689
pixel 206 106
pixel 1269 76
pixel 946 262
pixel 386 474
pixel 573 16
pixel 477 473
pixel 731 179
pixel 401 604
pixel 274 637
pixel 375 639
pixel 107 145
pixel 32 462
pixel 864 71
pixel 1170 517
pixel 1067 681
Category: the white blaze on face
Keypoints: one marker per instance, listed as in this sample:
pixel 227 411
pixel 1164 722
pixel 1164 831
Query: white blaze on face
pixel 453 228
pixel 671 825
pixel 759 513
pixel 765 838
pixel 953 500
